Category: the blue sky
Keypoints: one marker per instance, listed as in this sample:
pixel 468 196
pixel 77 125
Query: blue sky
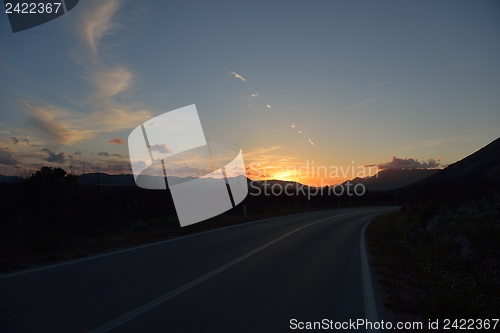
pixel 363 80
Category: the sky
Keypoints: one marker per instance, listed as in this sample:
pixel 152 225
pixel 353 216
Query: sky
pixel 341 85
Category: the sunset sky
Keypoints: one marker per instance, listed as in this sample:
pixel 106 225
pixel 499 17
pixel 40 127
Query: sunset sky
pixel 341 83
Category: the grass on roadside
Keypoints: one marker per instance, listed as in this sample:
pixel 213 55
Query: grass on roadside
pixel 424 273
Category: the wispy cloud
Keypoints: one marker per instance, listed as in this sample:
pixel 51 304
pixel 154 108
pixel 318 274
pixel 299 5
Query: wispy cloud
pixel 105 73
pixel 364 103
pixel 98 21
pixel 57 126
pixel 238 76
pixel 112 81
pixel 110 118
pixel 52 126
pixel 102 113
pixel 256 94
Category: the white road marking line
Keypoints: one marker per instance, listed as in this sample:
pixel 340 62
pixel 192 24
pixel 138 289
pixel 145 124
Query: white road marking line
pixel 97 256
pixel 368 296
pixel 148 306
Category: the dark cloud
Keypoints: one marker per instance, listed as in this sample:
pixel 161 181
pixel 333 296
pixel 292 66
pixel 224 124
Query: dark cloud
pixel 53 157
pixel 116 141
pixel 408 163
pixel 103 153
pixel 27 141
pixel 6 158
pixel 15 140
pixel 77 153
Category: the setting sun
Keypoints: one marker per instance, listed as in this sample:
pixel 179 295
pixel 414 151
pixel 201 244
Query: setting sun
pixel 284 175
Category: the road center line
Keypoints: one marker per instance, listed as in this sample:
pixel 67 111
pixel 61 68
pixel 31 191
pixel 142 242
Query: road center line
pixel 176 239
pixel 148 306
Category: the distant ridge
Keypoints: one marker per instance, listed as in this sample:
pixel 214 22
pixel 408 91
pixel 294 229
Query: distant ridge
pixel 482 165
pixel 9 179
pixel 473 175
pixel 391 179
pixel 384 181
pixel 105 179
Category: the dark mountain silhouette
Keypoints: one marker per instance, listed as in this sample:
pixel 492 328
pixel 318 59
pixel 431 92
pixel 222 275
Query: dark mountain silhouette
pixel 270 183
pixel 484 164
pixel 105 179
pixel 10 179
pixel 384 181
pixel 391 179
pixel 473 176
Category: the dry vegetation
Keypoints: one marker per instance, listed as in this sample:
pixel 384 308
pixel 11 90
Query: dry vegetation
pixel 435 264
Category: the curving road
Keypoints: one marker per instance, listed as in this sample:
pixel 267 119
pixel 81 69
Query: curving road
pixel 254 277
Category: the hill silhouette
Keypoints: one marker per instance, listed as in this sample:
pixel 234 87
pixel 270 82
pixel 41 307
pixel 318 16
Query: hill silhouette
pixel 473 176
pixel 391 179
pixel 484 163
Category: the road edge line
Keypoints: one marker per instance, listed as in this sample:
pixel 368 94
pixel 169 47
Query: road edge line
pixel 113 252
pixel 369 303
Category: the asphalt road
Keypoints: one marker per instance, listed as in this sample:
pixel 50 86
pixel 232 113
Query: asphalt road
pixel 254 277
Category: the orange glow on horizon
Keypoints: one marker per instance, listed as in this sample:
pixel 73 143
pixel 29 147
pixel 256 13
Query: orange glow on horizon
pixel 309 174
pixel 316 182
